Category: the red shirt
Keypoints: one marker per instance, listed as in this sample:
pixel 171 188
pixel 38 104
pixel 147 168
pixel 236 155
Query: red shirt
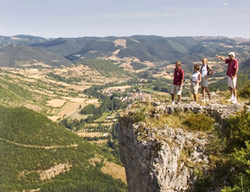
pixel 232 66
pixel 178 76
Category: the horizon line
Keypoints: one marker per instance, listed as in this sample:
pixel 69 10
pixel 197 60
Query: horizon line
pixel 63 37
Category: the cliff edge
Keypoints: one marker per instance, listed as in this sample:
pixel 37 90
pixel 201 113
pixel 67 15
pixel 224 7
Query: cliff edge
pixel 159 154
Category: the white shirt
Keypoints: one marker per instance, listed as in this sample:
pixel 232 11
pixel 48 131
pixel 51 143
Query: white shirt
pixel 204 71
pixel 195 76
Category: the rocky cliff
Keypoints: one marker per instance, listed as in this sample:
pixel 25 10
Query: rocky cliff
pixel 158 157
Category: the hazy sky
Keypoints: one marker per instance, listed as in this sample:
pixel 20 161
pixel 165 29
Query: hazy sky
pixel 79 18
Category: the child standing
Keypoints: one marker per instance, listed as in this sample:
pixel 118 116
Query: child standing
pixel 196 78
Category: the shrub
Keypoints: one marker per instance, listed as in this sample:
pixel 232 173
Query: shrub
pixel 89 109
pixel 244 92
pixel 240 171
pixel 199 122
pixel 139 116
pixel 238 130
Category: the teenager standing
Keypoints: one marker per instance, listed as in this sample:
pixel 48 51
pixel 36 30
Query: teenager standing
pixel 206 72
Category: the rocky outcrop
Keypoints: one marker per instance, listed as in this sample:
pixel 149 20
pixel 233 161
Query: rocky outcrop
pixel 165 159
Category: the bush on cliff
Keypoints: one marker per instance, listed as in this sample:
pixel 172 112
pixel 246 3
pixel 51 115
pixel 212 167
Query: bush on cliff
pixel 238 137
pixel 240 170
pixel 238 130
pixel 244 92
pixel 199 122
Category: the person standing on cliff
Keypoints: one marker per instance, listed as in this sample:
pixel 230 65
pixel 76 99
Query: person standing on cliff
pixel 195 80
pixel 177 82
pixel 232 72
pixel 206 72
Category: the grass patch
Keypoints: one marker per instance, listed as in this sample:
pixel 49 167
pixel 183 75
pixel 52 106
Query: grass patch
pixel 199 122
pixel 174 121
pixel 187 121
pixel 103 117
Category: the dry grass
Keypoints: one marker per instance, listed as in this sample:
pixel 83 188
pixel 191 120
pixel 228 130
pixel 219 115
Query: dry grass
pixel 174 121
pixel 56 102
pixel 114 170
pixel 121 42
pixel 54 171
pixel 82 133
pixel 100 141
pixel 95 160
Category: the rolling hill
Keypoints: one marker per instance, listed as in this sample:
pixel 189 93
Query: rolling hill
pixel 19 55
pixel 37 153
pixel 135 51
pixel 156 49
pixel 106 68
pixel 20 40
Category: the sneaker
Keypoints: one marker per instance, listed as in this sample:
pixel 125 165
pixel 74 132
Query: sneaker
pixel 173 103
pixel 234 101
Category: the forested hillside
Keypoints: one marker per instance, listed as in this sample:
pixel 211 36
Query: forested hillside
pixel 38 153
pixel 16 56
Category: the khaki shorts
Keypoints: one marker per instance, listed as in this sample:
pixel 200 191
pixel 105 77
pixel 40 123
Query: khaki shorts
pixel 194 87
pixel 231 82
pixel 204 82
pixel 175 90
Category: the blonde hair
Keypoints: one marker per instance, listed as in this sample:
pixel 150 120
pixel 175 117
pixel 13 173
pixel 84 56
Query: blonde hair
pixel 197 67
pixel 205 60
pixel 178 63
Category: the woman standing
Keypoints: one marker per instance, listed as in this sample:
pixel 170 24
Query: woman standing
pixel 206 72
pixel 196 78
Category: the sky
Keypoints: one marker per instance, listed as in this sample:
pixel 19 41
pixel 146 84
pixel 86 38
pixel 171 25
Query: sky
pixel 168 18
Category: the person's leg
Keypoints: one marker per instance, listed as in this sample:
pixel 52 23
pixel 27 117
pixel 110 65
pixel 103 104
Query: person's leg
pixel 234 91
pixel 194 97
pixel 231 90
pixel 203 92
pixel 172 96
pixel 172 93
pixel 179 98
pixel 179 91
pixel 230 85
pixel 208 94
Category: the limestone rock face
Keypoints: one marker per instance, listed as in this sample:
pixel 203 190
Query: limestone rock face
pixel 165 159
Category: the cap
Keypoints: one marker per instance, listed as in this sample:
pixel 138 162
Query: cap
pixel 231 53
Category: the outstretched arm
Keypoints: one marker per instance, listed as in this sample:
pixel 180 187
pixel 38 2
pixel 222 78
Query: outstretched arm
pixel 221 58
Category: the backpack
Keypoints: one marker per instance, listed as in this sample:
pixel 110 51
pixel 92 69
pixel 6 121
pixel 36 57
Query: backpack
pixel 208 70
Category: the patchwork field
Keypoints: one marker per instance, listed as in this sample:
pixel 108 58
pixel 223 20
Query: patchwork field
pixel 56 92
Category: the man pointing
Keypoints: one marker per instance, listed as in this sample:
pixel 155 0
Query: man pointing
pixel 232 71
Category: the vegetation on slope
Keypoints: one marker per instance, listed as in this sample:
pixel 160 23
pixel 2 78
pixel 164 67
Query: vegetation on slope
pixel 105 67
pixel 14 56
pixel 10 91
pixel 229 153
pixel 24 136
pixel 228 150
